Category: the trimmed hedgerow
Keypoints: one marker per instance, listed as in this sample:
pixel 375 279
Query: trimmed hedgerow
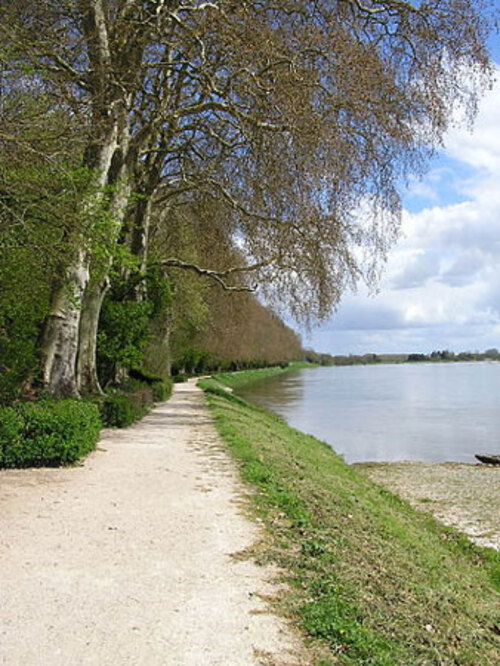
pixel 119 410
pixel 135 399
pixel 160 386
pixel 10 429
pixel 144 376
pixel 48 433
pixel 162 390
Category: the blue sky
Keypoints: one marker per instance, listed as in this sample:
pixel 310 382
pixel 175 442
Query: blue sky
pixel 441 284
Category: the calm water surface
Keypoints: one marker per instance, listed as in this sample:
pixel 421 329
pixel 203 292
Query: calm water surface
pixel 431 411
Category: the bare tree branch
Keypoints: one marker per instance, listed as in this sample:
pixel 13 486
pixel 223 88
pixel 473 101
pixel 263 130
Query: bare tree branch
pixel 211 274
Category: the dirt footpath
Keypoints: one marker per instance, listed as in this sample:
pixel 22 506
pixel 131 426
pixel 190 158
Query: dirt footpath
pixel 464 496
pixel 129 558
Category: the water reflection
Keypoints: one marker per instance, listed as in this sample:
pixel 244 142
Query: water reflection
pixel 432 412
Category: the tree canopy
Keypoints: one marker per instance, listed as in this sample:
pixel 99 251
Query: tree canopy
pixel 287 125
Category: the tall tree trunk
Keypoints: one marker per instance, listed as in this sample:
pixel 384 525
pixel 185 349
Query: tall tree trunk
pixel 158 356
pixel 140 240
pixel 60 337
pixel 86 368
pixel 87 380
pixel 140 236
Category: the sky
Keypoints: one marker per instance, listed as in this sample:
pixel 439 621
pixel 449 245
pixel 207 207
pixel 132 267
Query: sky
pixel 441 285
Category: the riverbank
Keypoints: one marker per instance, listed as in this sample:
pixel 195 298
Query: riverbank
pixel 460 495
pixel 369 578
pixel 246 377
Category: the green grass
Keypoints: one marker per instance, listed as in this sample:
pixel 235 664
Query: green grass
pixel 245 377
pixel 370 579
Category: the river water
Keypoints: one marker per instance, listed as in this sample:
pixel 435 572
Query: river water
pixel 434 412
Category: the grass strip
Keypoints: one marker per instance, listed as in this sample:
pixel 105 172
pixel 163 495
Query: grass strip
pixel 370 578
pixel 246 377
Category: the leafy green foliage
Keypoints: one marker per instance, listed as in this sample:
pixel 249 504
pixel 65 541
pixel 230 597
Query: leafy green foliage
pixel 160 387
pixel 368 576
pixel 144 376
pixel 11 426
pixel 125 325
pixel 123 333
pixel 23 305
pixel 49 433
pixel 159 291
pixel 41 183
pixel 162 390
pixel 119 410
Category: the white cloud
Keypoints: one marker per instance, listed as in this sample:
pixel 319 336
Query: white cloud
pixel 480 148
pixel 419 267
pixel 441 287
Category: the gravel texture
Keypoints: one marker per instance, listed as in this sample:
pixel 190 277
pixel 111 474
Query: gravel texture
pixel 129 558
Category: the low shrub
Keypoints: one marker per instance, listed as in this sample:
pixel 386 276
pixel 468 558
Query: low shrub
pixel 145 376
pixel 120 410
pixel 48 433
pixel 10 429
pixel 162 390
pixel 179 379
pixel 116 411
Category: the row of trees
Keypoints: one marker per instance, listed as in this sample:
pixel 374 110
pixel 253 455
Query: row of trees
pixel 446 355
pixel 368 359
pixel 276 132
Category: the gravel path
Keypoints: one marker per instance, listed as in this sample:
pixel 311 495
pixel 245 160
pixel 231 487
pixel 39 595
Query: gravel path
pixel 128 559
pixel 464 496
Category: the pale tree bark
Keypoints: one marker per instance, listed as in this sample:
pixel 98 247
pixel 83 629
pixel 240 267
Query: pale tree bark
pixel 139 243
pixel 60 338
pixel 86 375
pixel 86 368
pixel 140 235
pixel 158 354
pixel 120 180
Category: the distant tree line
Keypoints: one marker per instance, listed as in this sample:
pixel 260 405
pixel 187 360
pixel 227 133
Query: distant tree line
pixel 446 355
pixel 352 359
pixel 367 359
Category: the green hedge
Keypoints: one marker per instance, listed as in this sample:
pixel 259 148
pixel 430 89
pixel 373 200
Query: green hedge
pixel 119 410
pixel 162 390
pixel 160 386
pixel 47 433
pixel 50 433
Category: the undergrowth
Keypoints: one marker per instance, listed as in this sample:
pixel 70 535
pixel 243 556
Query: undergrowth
pixel 48 433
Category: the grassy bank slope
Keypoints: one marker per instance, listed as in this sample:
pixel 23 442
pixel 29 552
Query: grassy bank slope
pixel 245 377
pixel 372 579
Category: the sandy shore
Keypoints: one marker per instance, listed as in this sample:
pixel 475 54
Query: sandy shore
pixel 464 496
pixel 129 559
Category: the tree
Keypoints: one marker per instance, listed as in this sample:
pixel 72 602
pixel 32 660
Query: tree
pixel 210 327
pixel 299 117
pixel 40 180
